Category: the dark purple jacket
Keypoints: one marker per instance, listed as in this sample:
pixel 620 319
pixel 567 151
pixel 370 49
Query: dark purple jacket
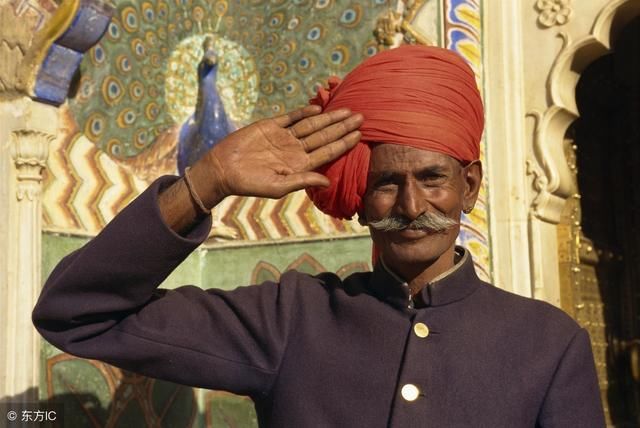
pixel 319 351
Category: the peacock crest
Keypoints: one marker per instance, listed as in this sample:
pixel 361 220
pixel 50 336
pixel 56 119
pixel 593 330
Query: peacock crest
pixel 139 85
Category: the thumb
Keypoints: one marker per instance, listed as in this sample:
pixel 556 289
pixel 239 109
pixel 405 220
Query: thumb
pixel 302 180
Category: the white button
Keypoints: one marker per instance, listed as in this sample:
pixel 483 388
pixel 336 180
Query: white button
pixel 410 392
pixel 421 330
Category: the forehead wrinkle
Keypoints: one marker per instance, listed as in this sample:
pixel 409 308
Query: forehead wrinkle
pixel 403 163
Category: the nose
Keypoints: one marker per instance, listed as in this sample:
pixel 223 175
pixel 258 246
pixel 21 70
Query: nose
pixel 411 202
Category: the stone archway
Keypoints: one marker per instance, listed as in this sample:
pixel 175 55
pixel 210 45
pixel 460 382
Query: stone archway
pixel 587 267
pixel 603 292
pixel 534 193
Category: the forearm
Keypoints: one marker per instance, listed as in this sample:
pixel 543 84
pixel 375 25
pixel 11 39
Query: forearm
pixel 114 274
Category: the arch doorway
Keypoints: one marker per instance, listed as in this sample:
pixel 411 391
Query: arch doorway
pixel 606 140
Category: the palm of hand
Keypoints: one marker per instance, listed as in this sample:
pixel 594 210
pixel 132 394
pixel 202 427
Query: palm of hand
pixel 273 157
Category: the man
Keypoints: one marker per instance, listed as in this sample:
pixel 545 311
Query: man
pixel 420 341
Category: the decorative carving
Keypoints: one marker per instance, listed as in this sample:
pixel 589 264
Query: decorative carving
pixel 395 26
pixel 13 46
pixel 553 12
pixel 579 284
pixel 56 51
pixel 19 365
pixel 29 151
pixel 540 183
pixel 389 25
pixel 553 181
pixel 35 12
pixel 551 125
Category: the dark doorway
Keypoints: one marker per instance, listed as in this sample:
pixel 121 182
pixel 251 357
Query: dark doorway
pixel 607 137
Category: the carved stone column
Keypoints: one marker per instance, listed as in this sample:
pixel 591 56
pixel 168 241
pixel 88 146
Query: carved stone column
pixel 20 369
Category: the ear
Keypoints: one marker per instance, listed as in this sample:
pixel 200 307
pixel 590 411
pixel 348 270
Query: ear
pixel 472 176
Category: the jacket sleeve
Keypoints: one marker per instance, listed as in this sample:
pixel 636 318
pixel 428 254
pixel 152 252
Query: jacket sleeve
pixel 573 398
pixel 102 302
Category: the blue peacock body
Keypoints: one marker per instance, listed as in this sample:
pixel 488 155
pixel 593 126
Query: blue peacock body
pixel 209 124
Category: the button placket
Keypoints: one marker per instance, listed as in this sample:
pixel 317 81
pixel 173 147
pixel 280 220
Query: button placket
pixel 410 392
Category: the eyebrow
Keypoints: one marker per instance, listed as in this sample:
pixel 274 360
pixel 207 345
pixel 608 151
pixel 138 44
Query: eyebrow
pixel 424 172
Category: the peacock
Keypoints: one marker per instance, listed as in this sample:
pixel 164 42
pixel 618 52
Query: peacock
pixel 209 124
pixel 139 85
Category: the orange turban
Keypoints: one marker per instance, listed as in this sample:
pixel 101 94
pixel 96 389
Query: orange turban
pixel 418 96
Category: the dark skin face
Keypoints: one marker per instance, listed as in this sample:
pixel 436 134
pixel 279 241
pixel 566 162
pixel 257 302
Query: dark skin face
pixel 406 182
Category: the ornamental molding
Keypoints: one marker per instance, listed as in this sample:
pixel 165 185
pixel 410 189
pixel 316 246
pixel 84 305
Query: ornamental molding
pixel 45 69
pixel 552 174
pixel 553 12
pixel 394 26
pixel 29 150
pixel 14 43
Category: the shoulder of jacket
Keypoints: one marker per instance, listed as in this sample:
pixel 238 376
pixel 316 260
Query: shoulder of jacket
pixel 528 309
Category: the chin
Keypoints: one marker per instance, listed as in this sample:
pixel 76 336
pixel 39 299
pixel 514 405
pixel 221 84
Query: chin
pixel 425 250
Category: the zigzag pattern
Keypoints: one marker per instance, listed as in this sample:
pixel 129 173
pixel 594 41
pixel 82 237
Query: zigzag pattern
pixel 84 189
pixel 255 219
pixel 10 57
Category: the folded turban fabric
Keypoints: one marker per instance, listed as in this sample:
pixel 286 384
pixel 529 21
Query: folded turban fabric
pixel 418 96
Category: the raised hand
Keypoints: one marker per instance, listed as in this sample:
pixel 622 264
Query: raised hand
pixel 269 158
pixel 273 157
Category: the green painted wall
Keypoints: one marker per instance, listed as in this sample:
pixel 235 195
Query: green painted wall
pixel 231 266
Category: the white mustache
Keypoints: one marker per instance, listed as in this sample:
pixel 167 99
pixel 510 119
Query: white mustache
pixel 431 222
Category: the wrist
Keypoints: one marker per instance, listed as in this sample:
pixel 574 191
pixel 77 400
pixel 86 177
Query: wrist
pixel 207 181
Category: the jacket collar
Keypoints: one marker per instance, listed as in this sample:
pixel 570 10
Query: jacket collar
pixel 455 284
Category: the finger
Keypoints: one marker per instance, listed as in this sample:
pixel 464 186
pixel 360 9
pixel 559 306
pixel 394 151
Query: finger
pixel 294 116
pixel 314 123
pixel 332 133
pixel 302 180
pixel 334 150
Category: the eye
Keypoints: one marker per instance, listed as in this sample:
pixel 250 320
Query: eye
pixel 433 180
pixel 388 187
pixel 385 184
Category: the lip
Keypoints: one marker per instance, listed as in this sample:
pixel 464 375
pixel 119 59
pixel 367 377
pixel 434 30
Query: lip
pixel 411 234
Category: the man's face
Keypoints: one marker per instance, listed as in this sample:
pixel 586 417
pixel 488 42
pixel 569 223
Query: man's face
pixel 406 182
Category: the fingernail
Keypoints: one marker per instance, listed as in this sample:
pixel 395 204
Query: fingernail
pixel 355 135
pixel 355 119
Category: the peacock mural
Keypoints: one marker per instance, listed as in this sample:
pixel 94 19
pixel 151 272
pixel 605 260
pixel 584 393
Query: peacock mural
pixel 209 124
pixel 138 98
